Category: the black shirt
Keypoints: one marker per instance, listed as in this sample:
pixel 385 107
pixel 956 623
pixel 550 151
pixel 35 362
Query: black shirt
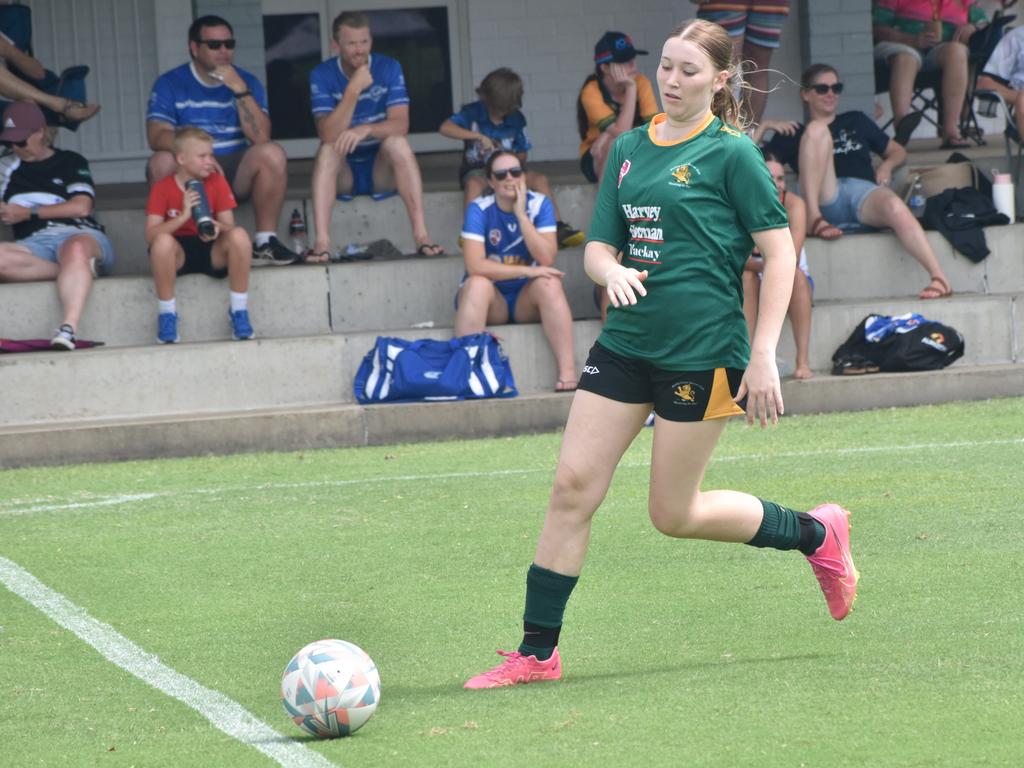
pixel 854 137
pixel 48 182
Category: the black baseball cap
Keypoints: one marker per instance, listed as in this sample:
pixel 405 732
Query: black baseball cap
pixel 617 47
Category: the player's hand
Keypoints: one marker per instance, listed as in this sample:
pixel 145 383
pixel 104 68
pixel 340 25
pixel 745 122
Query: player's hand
pixel 13 214
pixel 191 201
pixel 882 176
pixel 541 271
pixel 925 39
pixel 785 127
pixel 519 205
pixel 486 143
pixel 361 79
pixel 763 390
pixel 963 33
pixel 216 233
pixel 624 284
pixel 349 139
pixel 228 75
pixel 621 74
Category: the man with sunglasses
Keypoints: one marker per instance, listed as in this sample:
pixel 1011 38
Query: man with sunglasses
pixel 230 104
pixel 841 187
pixel 48 198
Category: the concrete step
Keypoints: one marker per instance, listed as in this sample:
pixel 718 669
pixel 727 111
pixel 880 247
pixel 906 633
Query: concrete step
pixel 311 427
pixel 213 377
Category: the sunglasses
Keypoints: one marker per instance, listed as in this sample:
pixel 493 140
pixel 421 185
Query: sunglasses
pixel 502 175
pixel 215 45
pixel 19 144
pixel 821 89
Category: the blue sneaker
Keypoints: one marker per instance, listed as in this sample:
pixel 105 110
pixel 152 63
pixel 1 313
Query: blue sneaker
pixel 240 325
pixel 167 328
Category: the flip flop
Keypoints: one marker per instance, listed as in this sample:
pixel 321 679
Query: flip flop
pixel 826 231
pixel 905 127
pixel 957 142
pixel 433 248
pixel 563 385
pixel 318 257
pixel 937 288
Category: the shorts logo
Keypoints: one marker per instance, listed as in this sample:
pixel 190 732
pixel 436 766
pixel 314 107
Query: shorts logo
pixel 685 392
pixel 623 170
pixel 591 369
pixel 683 174
pixel 494 236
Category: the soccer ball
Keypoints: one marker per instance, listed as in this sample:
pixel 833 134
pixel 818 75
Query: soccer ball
pixel 330 688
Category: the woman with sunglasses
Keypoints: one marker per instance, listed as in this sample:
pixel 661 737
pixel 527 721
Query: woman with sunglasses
pixel 509 247
pixel 685 198
pixel 841 187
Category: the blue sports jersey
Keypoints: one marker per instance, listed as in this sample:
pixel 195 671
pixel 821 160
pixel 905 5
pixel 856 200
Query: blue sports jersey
pixel 499 231
pixel 180 98
pixel 327 84
pixel 509 134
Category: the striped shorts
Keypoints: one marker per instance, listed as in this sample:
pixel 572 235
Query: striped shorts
pixel 760 20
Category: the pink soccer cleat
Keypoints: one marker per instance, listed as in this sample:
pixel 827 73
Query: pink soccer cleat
pixel 516 669
pixel 832 562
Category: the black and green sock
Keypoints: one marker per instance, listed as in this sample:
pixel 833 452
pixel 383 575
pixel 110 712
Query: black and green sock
pixel 547 593
pixel 782 528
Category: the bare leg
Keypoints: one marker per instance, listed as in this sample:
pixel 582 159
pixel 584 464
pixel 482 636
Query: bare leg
pixel 474 187
pixel 326 168
pixel 545 297
pixel 165 259
pixel 903 69
pixel 480 304
pixel 19 265
pixel 14 88
pixel 233 249
pixel 263 176
pixel 882 209
pixel 953 60
pixel 800 319
pixel 397 156
pixel 757 95
pixel 75 279
pixel 596 435
pixel 817 168
pixel 599 151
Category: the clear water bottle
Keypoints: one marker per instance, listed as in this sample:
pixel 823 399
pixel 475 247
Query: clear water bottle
pixel 201 210
pixel 917 198
pixel 297 232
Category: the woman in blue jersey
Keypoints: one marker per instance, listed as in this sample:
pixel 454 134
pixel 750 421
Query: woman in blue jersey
pixel 509 247
pixel 684 198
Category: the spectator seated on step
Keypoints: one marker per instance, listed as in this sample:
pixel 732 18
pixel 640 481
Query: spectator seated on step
pixel 230 104
pixel 24 78
pixel 613 100
pixel 1004 73
pixel 496 122
pixel 832 153
pixel 907 41
pixel 48 202
pixel 509 249
pixel 179 245
pixel 361 109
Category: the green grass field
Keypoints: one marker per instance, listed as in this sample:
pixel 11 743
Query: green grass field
pixel 676 652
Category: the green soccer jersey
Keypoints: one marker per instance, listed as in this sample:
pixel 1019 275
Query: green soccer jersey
pixel 684 211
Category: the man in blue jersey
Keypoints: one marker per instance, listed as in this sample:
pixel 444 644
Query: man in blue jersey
pixel 361 109
pixel 230 104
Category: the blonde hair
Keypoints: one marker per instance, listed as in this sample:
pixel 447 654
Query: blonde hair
pixel 189 133
pixel 716 44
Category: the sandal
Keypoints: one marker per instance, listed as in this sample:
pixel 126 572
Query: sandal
pixel 937 288
pixel 906 126
pixel 565 385
pixel 854 365
pixel 826 231
pixel 429 249
pixel 316 257
pixel 75 112
pixel 956 142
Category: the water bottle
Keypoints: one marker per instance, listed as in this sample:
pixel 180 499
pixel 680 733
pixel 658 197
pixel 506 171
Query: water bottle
pixel 1002 194
pixel 917 198
pixel 297 232
pixel 201 210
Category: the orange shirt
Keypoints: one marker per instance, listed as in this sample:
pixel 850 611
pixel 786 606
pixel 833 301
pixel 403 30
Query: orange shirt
pixel 601 114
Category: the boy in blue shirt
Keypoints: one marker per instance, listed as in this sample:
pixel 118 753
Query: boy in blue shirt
pixel 496 122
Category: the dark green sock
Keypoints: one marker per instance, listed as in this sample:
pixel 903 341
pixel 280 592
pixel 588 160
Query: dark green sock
pixel 782 528
pixel 547 593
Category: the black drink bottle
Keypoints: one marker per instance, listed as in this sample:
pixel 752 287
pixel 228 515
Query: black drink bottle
pixel 201 210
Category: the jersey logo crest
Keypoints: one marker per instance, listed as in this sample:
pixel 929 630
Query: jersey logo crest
pixel 683 174
pixel 623 170
pixel 494 237
pixel 685 392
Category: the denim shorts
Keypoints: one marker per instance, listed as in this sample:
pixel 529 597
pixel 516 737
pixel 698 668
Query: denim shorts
pixel 844 209
pixel 46 244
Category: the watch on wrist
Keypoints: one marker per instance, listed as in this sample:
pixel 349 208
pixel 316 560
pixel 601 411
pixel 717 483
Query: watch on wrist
pixel 34 213
pixel 243 94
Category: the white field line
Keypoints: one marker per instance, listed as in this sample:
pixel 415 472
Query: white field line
pixel 106 501
pixel 225 714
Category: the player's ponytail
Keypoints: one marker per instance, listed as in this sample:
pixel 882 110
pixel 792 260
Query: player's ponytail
pixel 714 41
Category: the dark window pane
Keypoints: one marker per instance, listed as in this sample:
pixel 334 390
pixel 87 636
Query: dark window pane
pixel 292 45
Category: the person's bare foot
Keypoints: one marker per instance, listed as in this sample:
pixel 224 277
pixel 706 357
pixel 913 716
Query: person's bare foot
pixel 318 254
pixel 803 373
pixel 77 112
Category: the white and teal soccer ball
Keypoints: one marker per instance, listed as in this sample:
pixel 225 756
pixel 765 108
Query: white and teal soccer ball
pixel 330 688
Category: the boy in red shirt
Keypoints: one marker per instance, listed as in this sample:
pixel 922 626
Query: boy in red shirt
pixel 177 248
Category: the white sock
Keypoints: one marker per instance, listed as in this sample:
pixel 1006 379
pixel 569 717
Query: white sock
pixel 263 237
pixel 239 301
pixel 167 306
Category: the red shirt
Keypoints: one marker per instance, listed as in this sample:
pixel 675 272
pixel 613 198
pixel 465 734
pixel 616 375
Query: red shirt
pixel 166 199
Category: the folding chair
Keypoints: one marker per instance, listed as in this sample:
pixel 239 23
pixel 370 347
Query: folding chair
pixel 991 104
pixel 16 23
pixel 920 101
pixel 981 45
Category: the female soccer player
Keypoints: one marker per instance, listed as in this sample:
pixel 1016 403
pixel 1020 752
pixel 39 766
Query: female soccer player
pixel 685 198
